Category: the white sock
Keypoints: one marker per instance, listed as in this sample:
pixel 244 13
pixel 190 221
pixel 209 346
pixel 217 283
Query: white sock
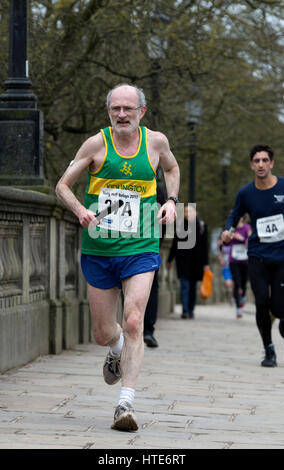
pixel 126 394
pixel 117 348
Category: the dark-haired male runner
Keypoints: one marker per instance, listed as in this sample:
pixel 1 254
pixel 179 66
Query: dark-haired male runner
pixel 263 200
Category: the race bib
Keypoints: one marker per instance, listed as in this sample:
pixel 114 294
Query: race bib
pixel 270 229
pixel 239 252
pixel 124 219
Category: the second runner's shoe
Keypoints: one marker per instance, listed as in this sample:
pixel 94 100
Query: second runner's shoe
pixel 270 357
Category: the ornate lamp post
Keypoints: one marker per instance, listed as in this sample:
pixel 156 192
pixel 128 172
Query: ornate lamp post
pixel 193 112
pixel 21 124
pixel 225 165
pixel 18 94
pixel 156 51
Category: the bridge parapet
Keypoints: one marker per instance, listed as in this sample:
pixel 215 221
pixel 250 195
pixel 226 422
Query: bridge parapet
pixel 43 304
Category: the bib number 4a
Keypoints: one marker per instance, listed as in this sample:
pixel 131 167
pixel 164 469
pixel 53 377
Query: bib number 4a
pixel 270 229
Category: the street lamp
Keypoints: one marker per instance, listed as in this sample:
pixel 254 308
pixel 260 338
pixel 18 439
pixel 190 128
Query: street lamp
pixel 225 164
pixel 21 123
pixel 17 93
pixel 193 111
pixel 156 48
pixel 155 53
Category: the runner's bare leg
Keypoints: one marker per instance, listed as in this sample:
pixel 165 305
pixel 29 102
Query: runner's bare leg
pixel 103 306
pixel 136 291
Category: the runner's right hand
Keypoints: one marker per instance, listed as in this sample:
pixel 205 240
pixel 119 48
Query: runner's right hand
pixel 88 219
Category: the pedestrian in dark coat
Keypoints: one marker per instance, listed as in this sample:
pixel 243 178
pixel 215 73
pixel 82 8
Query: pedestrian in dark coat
pixel 190 250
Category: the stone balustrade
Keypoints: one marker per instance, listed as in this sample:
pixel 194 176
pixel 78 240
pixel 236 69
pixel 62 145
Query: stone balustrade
pixel 43 296
pixel 43 304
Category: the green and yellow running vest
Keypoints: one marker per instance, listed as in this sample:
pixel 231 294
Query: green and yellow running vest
pixel 133 228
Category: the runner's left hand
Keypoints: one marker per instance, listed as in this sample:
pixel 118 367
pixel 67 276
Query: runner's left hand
pixel 167 213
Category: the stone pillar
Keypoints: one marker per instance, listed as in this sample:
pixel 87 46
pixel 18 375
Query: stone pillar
pixel 26 259
pixel 56 309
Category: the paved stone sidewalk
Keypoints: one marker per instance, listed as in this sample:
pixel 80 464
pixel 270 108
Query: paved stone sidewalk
pixel 203 388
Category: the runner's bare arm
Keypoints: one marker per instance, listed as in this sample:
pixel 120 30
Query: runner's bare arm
pixel 83 159
pixel 167 213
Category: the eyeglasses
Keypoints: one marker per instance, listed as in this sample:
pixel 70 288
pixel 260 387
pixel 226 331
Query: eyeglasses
pixel 125 109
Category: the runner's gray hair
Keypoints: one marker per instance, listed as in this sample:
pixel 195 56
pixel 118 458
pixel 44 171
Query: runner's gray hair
pixel 140 93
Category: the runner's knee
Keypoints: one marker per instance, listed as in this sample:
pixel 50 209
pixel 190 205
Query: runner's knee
pixel 100 338
pixel 102 335
pixel 133 324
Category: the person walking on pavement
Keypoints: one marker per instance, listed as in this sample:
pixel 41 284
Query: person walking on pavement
pixel 263 200
pixel 122 249
pixel 190 262
pixel 238 260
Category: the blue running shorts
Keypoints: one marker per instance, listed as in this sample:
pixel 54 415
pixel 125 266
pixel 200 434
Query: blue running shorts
pixel 106 272
pixel 227 274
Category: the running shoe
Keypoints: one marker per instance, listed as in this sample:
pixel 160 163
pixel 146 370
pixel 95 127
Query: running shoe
pixel 239 313
pixel 242 302
pixel 124 418
pixel 111 369
pixel 270 357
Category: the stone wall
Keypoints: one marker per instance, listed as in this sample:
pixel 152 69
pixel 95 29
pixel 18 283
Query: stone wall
pixel 43 296
pixel 43 306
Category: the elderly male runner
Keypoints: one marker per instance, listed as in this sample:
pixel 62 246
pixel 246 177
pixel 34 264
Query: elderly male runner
pixel 263 200
pixel 122 250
